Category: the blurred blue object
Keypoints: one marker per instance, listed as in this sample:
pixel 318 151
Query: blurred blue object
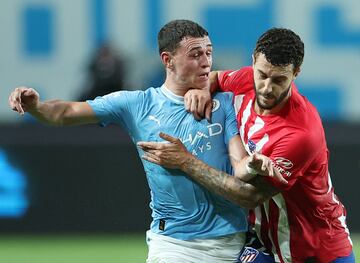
pixel 38 27
pixel 13 201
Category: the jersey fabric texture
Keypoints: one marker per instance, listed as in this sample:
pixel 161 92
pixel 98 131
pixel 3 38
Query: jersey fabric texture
pixel 181 208
pixel 306 219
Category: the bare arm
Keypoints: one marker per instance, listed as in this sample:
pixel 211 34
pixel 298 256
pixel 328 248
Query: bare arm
pixel 175 155
pixel 247 167
pixel 53 112
pixel 246 194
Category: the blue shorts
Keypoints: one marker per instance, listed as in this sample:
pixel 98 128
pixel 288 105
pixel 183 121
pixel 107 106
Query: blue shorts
pixel 348 259
pixel 249 254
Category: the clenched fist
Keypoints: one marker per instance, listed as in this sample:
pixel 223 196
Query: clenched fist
pixel 23 99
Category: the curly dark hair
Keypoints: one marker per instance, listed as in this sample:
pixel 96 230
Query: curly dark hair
pixel 171 34
pixel 281 47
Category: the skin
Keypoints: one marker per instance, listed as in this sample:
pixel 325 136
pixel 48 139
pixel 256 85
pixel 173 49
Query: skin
pixel 187 67
pixel 272 86
pixel 246 194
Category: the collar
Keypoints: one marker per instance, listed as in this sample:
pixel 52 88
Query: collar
pixel 171 95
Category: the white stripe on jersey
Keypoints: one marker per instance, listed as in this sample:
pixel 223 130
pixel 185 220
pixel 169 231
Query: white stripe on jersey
pixel 260 144
pixel 283 228
pixel 244 119
pixel 238 100
pixel 258 125
pixel 342 218
pixel 233 72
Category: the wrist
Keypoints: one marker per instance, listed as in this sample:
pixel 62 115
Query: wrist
pixel 187 164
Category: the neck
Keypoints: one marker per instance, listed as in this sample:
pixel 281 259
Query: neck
pixel 175 88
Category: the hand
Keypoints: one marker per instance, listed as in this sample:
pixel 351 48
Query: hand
pixel 199 103
pixel 264 166
pixel 170 154
pixel 23 99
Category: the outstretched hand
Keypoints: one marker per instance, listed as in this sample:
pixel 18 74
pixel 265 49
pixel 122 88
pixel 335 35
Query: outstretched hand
pixel 199 103
pixel 170 154
pixel 263 165
pixel 23 99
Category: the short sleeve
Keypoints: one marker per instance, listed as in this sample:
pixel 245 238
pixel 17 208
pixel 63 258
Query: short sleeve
pixel 236 81
pixel 118 107
pixel 292 155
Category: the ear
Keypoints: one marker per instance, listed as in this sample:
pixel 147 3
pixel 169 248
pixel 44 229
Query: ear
pixel 296 72
pixel 253 60
pixel 166 59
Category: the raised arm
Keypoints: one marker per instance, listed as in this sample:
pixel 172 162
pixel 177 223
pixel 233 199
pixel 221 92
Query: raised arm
pixel 53 112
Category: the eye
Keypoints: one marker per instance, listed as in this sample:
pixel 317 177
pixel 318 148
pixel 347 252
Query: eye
pixel 263 76
pixel 278 81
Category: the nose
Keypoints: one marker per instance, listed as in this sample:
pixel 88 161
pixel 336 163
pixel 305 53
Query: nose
pixel 268 88
pixel 206 61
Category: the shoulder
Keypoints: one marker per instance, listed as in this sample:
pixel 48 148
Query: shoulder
pixel 303 114
pixel 237 81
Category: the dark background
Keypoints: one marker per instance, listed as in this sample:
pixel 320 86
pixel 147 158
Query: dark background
pixel 90 179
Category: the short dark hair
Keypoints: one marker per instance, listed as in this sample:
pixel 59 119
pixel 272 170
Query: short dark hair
pixel 281 47
pixel 171 34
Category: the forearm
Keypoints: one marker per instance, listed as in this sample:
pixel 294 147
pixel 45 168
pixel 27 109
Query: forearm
pixel 242 172
pixel 241 193
pixel 57 113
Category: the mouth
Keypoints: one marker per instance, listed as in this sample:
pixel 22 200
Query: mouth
pixel 204 76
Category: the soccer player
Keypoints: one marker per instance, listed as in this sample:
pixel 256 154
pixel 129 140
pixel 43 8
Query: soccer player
pixel 190 224
pixel 302 221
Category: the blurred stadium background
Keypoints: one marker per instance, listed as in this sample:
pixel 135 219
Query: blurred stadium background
pixel 79 194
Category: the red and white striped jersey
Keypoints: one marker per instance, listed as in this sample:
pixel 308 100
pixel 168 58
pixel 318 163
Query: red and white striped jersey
pixel 306 219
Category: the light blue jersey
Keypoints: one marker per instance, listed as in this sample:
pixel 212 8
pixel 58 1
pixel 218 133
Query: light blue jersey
pixel 181 208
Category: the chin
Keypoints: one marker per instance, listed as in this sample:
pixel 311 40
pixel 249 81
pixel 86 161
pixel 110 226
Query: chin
pixel 203 85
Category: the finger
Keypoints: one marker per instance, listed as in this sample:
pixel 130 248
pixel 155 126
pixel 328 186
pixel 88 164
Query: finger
pixel 29 92
pixel 168 138
pixel 208 111
pixel 265 165
pixel 187 103
pixel 271 170
pixel 150 145
pixel 18 107
pixel 200 109
pixel 193 104
pixel 278 175
pixel 151 158
pixel 19 101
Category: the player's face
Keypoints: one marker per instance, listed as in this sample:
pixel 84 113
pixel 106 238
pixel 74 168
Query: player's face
pixel 192 62
pixel 272 83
